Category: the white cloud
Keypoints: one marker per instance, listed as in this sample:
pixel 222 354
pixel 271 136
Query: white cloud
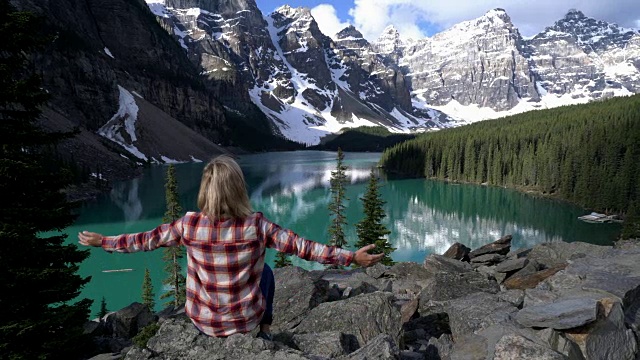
pixel 372 16
pixel 327 19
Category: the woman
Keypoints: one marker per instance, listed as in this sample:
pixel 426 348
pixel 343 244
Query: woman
pixel 229 287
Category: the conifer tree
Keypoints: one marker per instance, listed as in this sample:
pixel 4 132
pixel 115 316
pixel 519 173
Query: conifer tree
pixel 337 208
pixel 282 260
pixel 40 315
pixel 148 296
pixel 172 255
pixel 103 308
pixel 371 230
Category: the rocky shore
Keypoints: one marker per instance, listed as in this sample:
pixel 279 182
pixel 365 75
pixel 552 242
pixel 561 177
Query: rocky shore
pixel 554 301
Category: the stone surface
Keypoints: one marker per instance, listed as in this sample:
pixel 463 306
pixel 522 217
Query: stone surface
pixel 381 347
pixel 444 287
pixel 457 251
pixel 563 314
pixel 477 311
pixel 512 265
pixel 365 317
pixel 534 297
pixel 528 281
pixel 500 246
pixel 329 344
pixel 437 263
pixel 555 253
pixel 518 347
pixel 127 322
pixel 407 277
pixel 296 292
pixel 514 297
pixel 488 259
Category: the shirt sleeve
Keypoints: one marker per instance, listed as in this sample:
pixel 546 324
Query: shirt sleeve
pixel 164 235
pixel 287 241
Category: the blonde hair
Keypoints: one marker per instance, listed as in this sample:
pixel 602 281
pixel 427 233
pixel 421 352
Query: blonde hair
pixel 223 190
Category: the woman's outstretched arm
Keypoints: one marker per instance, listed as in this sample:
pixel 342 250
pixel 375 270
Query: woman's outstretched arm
pixel 163 235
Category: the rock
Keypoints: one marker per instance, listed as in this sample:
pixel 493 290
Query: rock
pixel 558 342
pixel 470 347
pixel 328 344
pixel 445 286
pixel 514 297
pixel 488 259
pixel 477 311
pixel 488 271
pixel 128 321
pixel 364 316
pixel 512 265
pixel 93 328
pixel 534 297
pixel 438 263
pixel 408 308
pixel 381 347
pixel 108 356
pixel 457 251
pixel 518 347
pixel 564 314
pixel 500 277
pixel 555 253
pixel 528 281
pixel 500 246
pixel 435 325
pixel 414 335
pixel 296 292
pixel 606 338
pixel 439 348
pixel 518 254
pixel 408 276
pixel 411 355
pixel 376 271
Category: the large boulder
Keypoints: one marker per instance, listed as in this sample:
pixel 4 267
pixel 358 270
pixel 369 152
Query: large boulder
pixel 381 347
pixel 457 251
pixel 329 344
pixel 515 346
pixel 364 316
pixel 554 253
pixel 477 311
pixel 407 277
pixel 445 286
pixel 500 246
pixel 296 292
pixel 522 280
pixel 564 314
pixel 128 321
pixel 437 263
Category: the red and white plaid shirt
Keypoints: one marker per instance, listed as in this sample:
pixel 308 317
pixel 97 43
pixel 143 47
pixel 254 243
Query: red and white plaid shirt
pixel 225 260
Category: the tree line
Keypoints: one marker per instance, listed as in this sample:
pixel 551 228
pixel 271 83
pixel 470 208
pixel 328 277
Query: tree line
pixel 587 154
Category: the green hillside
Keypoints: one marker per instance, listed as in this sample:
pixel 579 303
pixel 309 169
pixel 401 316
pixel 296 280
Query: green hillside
pixel 364 138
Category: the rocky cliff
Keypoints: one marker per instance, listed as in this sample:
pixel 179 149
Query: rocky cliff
pixel 553 301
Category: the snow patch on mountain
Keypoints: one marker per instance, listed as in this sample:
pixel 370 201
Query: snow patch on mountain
pixel 121 128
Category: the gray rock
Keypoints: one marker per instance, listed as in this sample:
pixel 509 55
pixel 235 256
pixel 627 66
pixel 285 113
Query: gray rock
pixel 514 297
pixel 440 348
pixel 376 271
pixel 500 246
pixel 522 280
pixel 534 297
pixel 457 251
pixel 128 321
pixel 437 263
pixel 296 292
pixel 514 346
pixel 364 316
pixel 407 277
pixel 444 287
pixel 329 344
pixel 470 347
pixel 606 338
pixel 381 347
pixel 551 254
pixel 411 355
pixel 489 271
pixel 488 259
pixel 512 265
pixel 477 311
pixel 500 277
pixel 558 342
pixel 109 356
pixel 518 253
pixel 564 314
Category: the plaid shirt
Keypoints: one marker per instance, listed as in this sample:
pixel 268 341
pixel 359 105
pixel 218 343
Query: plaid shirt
pixel 225 261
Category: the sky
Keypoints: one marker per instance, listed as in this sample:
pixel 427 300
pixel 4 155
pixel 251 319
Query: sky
pixel 420 18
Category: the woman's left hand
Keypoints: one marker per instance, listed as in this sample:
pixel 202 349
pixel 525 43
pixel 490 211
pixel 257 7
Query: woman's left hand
pixel 87 238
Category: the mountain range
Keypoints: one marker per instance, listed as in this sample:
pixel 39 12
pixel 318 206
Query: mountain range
pixel 224 73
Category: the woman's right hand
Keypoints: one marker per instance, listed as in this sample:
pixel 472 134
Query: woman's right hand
pixel 364 259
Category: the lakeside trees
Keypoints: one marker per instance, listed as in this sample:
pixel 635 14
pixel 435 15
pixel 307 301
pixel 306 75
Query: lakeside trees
pixel 40 316
pixel 148 296
pixel 172 255
pixel 337 207
pixel 587 154
pixel 370 229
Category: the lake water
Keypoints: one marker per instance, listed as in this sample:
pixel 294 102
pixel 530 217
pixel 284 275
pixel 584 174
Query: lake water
pixel 292 189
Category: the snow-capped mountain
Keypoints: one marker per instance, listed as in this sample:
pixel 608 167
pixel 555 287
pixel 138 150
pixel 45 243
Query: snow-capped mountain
pixel 484 68
pixel 307 84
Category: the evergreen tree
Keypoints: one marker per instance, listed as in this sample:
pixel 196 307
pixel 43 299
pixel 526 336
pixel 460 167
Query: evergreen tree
pixel 103 308
pixel 40 317
pixel 282 260
pixel 631 226
pixel 371 230
pixel 337 208
pixel 148 297
pixel 172 255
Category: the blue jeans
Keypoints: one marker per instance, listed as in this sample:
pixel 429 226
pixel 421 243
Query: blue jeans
pixel 268 288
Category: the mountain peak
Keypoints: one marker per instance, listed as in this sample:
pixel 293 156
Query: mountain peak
pixel 288 11
pixel 390 30
pixel 574 14
pixel 497 13
pixel 349 31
